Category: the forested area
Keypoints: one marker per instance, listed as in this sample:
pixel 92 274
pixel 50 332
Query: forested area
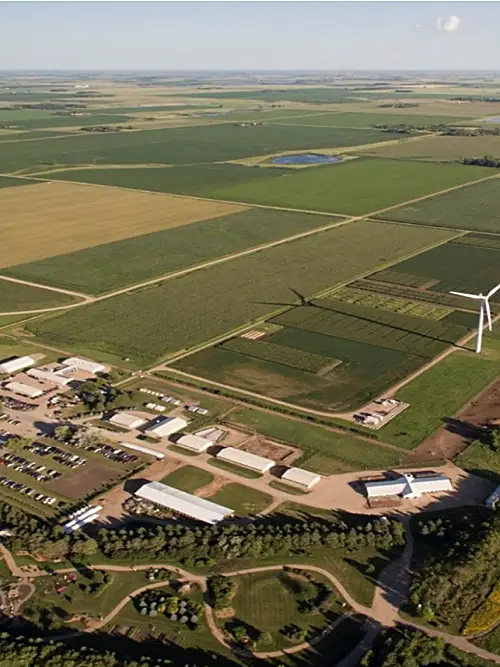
pixel 485 161
pixel 456 565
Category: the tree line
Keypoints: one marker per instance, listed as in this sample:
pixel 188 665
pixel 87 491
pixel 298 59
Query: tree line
pixel 485 161
pixel 441 129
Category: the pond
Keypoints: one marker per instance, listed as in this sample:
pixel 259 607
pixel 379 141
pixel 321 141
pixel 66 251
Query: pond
pixel 493 119
pixel 305 158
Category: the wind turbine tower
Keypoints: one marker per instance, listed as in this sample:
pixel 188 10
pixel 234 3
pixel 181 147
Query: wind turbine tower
pixel 483 308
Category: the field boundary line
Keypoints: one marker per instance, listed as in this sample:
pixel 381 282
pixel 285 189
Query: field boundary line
pixel 50 288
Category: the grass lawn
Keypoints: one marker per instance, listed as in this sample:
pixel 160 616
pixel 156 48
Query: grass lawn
pixel 323 451
pixel 113 265
pixel 232 467
pixel 355 187
pixel 474 208
pixel 287 488
pixel 188 478
pixel 437 394
pixel 242 499
pixel 250 288
pixel 480 459
pixel 16 296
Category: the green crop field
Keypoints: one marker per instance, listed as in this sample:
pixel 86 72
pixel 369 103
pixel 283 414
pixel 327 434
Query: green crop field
pixel 113 265
pixel 210 302
pixel 354 187
pixel 479 240
pixel 182 145
pixel 242 499
pixel 52 120
pixel 438 148
pixel 370 119
pixel 16 296
pixel 395 304
pixel 199 180
pixel 474 208
pixel 454 266
pixel 323 451
pixel 308 95
pixel 8 182
pixel 438 394
pixel 188 478
pixel 10 137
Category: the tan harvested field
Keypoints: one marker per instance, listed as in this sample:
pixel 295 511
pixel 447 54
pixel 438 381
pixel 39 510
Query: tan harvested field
pixel 438 148
pixel 40 221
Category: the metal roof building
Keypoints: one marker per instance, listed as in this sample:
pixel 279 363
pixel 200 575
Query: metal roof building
pixel 184 503
pixel 143 450
pixel 24 389
pixel 48 376
pixel 408 486
pixel 85 365
pixel 194 443
pixel 163 427
pixel 16 364
pixel 301 477
pixel 127 420
pixel 245 459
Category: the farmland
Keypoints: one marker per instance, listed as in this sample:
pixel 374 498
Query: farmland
pixel 128 261
pixel 341 119
pixel 10 182
pixel 438 148
pixel 188 145
pixel 16 296
pixel 260 283
pixel 474 208
pixel 323 451
pixel 337 189
pixel 392 303
pixel 50 219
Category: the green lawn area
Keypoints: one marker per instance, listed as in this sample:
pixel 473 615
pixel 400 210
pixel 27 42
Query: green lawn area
pixel 354 187
pixel 325 452
pixel 188 478
pixel 16 296
pixel 249 288
pixel 114 265
pixel 474 208
pixel 236 469
pixel 242 499
pixel 437 394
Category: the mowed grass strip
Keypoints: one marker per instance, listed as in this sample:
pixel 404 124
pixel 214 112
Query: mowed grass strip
pixel 437 395
pixel 188 478
pixel 242 499
pixel 355 187
pixel 181 145
pixel 474 208
pixel 113 265
pixel 141 325
pixel 438 148
pixel 54 218
pixel 16 296
pixel 323 451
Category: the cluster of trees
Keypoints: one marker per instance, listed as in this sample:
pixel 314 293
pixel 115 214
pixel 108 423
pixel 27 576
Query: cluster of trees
pixel 441 129
pixel 474 98
pixel 98 580
pixel 485 161
pixel 205 545
pixel 456 574
pixel 221 590
pixel 398 105
pixel 184 610
pixel 106 128
pixel 313 596
pixel 294 633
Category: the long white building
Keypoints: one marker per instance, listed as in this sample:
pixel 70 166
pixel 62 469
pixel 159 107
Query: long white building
pixel 301 477
pixel 17 364
pixel 45 375
pixel 184 503
pixel 245 459
pixel 86 365
pixel 24 389
pixel 162 428
pixel 408 486
pixel 127 420
pixel 194 443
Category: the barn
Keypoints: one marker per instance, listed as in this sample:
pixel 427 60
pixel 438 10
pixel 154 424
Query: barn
pixel 245 459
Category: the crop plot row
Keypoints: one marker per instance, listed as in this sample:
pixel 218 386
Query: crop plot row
pixel 176 314
pixel 394 304
pixel 479 240
pixel 285 356
pixel 412 335
pixel 401 291
pixel 399 278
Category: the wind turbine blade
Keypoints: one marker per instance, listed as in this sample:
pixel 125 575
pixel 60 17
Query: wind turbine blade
pixel 488 312
pixel 469 296
pixel 493 291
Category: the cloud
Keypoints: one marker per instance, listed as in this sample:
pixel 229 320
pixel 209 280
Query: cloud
pixel 449 24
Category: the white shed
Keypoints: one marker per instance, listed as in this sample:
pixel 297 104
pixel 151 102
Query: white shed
pixel 184 503
pixel 301 477
pixel 17 364
pixel 245 459
pixel 409 486
pixel 24 389
pixel 194 443
pixel 163 427
pixel 45 375
pixel 85 365
pixel 127 420
pixel 143 450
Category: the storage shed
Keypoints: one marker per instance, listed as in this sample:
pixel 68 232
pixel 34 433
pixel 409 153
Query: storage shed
pixel 85 365
pixel 165 426
pixel 301 477
pixel 17 364
pixel 127 420
pixel 245 459
pixel 24 389
pixel 143 450
pixel 194 443
pixel 45 375
pixel 408 486
pixel 184 503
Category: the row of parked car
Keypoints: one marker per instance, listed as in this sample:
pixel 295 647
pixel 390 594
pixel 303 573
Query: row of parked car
pixel 22 488
pixel 14 404
pixel 31 468
pixel 59 455
pixel 13 422
pixel 111 453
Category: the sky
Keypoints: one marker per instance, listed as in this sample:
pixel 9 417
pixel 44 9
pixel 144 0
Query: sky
pixel 249 35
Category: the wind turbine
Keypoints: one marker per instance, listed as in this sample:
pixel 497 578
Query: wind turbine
pixel 484 307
